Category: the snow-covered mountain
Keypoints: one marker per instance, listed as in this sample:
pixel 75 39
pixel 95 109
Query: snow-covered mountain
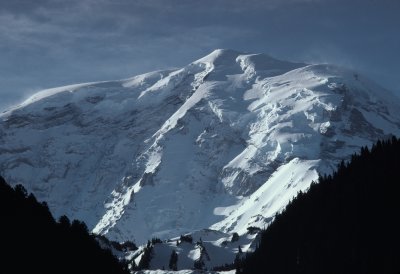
pixel 223 143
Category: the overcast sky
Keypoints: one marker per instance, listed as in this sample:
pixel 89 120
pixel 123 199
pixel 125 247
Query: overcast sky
pixel 48 43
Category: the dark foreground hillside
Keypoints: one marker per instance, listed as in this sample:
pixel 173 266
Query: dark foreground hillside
pixel 347 223
pixel 31 241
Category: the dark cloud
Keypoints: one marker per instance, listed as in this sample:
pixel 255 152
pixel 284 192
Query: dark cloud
pixel 46 43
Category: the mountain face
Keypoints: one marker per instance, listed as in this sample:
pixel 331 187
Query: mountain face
pixel 223 143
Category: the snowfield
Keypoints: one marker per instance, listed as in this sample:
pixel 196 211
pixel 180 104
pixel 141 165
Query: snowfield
pixel 210 149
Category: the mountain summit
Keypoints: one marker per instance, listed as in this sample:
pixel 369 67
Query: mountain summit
pixel 222 143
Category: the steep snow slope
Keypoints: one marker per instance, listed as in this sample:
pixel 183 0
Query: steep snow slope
pixel 222 143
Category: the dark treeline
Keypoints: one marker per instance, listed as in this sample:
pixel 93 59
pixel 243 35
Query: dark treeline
pixel 347 223
pixel 33 242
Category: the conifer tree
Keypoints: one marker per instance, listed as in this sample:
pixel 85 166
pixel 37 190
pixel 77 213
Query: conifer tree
pixel 173 261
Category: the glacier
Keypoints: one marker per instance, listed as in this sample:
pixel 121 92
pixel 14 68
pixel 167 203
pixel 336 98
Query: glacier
pixel 220 145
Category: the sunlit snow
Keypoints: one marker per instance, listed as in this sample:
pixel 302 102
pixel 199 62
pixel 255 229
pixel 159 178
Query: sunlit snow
pixel 223 143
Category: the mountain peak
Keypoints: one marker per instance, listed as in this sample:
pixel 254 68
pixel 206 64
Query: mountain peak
pixel 220 57
pixel 223 143
pixel 234 62
pixel 225 51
